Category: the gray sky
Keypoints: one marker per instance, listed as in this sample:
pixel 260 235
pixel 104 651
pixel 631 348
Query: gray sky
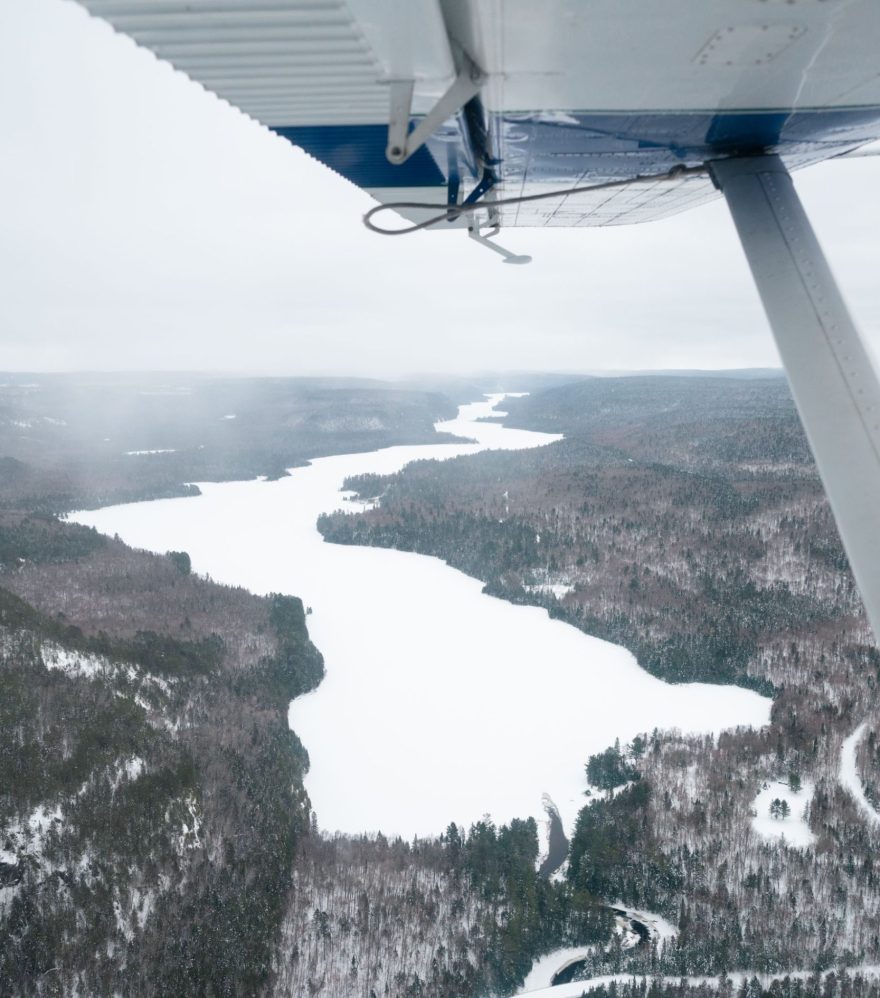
pixel 148 225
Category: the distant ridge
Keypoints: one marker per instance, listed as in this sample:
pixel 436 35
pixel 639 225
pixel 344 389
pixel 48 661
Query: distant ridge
pixel 687 372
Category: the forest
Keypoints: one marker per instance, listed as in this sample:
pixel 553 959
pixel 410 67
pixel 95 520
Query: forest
pixel 157 838
pixel 82 441
pixel 684 519
pixel 156 834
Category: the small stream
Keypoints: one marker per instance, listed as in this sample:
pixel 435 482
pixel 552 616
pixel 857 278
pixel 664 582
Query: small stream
pixel 628 923
pixel 557 849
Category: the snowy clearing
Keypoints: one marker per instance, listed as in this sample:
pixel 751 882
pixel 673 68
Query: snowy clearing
pixel 794 828
pixel 849 774
pixel 428 712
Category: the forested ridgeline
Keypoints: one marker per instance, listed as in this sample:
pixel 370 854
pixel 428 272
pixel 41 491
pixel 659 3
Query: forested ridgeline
pixel 680 839
pixel 82 441
pixel 692 537
pixel 683 518
pixel 150 791
pixel 461 915
pixel 831 984
pixel 155 836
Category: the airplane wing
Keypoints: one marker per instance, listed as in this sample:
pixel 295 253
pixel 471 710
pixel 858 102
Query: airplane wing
pixel 574 113
pixel 523 98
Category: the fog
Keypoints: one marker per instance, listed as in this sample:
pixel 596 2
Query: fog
pixel 147 225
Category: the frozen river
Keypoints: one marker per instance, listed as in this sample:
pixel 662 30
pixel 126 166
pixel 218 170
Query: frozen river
pixel 436 706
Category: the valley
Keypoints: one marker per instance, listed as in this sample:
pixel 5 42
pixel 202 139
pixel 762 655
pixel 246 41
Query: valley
pixel 365 815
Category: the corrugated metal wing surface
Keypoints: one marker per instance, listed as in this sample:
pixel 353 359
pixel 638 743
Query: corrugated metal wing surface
pixel 283 62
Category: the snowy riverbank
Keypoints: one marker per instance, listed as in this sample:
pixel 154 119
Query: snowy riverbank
pixel 431 709
pixel 849 774
pixel 578 988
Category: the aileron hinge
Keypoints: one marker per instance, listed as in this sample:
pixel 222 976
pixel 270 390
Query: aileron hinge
pixel 401 142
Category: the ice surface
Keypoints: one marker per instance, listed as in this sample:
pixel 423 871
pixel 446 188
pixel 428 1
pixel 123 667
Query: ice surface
pixel 794 828
pixel 440 703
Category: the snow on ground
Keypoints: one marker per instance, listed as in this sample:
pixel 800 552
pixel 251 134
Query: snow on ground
pixel 543 834
pixel 188 836
pixel 359 505
pixel 560 591
pixel 658 927
pixel 158 450
pixel 230 415
pixel 77 663
pixel 25 838
pixel 429 711
pixel 127 769
pixel 133 767
pixel 561 875
pixel 27 834
pixel 545 968
pixel 736 979
pixel 794 829
pixel 74 663
pixel 849 774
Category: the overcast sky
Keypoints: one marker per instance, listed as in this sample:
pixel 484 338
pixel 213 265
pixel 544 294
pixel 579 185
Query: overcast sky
pixel 148 225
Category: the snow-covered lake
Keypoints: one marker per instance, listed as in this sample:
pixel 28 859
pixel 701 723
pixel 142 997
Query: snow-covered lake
pixel 440 703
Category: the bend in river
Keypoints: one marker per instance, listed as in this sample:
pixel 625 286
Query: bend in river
pixel 440 703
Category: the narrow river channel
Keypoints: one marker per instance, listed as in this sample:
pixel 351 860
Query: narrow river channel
pixel 440 703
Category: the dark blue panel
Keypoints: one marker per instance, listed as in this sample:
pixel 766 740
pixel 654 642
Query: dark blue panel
pixel 358 153
pixel 576 146
pixel 745 132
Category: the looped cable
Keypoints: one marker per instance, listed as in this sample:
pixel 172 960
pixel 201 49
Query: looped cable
pixel 455 211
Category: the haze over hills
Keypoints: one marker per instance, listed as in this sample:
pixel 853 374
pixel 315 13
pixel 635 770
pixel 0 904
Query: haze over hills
pixel 157 835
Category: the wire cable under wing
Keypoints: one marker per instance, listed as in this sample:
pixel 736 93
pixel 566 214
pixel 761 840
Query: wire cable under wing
pixel 456 211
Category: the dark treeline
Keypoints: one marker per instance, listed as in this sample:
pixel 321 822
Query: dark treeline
pixel 150 790
pixel 683 518
pixel 157 838
pixel 830 985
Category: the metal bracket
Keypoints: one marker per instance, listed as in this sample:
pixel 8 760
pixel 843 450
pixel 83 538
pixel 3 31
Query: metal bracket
pixel 485 240
pixel 401 143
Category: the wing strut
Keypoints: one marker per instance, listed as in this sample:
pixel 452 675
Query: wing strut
pixel 832 376
pixel 402 143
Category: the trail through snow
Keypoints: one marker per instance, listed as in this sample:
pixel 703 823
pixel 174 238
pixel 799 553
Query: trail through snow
pixel 440 703
pixel 736 978
pixel 849 774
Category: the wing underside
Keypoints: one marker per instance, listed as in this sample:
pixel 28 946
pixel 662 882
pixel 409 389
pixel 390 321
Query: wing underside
pixel 574 94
